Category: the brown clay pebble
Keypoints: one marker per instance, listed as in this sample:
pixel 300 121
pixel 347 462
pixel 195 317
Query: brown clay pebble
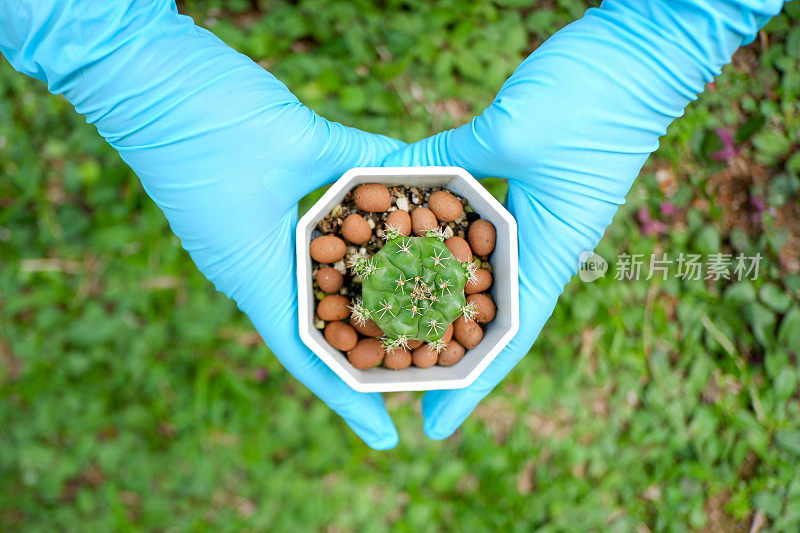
pixel 366 354
pixel 397 359
pixel 481 282
pixel 482 237
pixel 424 357
pixel 355 229
pixel 368 329
pixel 468 333
pixel 422 219
pixel 484 307
pixel 445 206
pixel 451 354
pixel 329 279
pixel 327 249
pixel 333 307
pixel 459 248
pixel 448 333
pixel 401 220
pixel 341 336
pixel 412 345
pixel 373 197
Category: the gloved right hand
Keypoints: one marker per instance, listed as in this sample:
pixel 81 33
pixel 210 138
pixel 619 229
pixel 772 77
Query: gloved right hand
pixel 570 129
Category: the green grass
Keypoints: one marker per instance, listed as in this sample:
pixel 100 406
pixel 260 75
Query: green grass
pixel 133 396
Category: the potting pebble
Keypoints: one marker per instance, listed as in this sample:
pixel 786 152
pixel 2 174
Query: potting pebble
pixel 452 354
pixel 422 220
pixel 482 237
pixel 329 279
pixel 400 220
pixel 327 249
pixel 445 206
pixel 484 307
pixel 480 282
pixel 467 332
pixel 373 197
pixel 340 335
pixel 424 357
pixel 366 354
pixel 368 328
pixel 459 248
pixel 356 229
pixel 397 359
pixel 334 307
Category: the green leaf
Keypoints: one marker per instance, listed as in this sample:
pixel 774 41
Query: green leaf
pixel 769 502
pixel 778 25
pixel 792 282
pixel 771 144
pixel 789 332
pixel 740 292
pixel 793 43
pixel 793 163
pixel 774 297
pixel 788 440
pixel 761 321
pixel 785 383
pixel 707 240
pixel 782 189
pixel 740 240
pixel 352 98
pixel 747 129
pixel 792 9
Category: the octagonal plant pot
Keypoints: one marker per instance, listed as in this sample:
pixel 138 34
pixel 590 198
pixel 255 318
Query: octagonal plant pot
pixel 504 290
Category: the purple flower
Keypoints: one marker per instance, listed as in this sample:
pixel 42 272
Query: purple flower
pixel 260 374
pixel 728 146
pixel 668 209
pixel 654 227
pixel 650 227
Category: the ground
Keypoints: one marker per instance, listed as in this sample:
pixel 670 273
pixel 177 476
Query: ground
pixel 132 395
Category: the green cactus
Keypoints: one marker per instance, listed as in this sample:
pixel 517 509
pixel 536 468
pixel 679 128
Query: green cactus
pixel 413 288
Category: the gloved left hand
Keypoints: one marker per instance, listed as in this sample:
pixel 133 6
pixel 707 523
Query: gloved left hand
pixel 222 146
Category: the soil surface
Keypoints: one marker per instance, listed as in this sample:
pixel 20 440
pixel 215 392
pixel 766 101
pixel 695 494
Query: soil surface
pixel 402 197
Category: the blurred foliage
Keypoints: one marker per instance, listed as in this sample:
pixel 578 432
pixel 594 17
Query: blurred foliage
pixel 133 396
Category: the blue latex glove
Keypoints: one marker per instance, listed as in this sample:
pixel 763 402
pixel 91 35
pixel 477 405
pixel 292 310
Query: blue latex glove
pixel 221 146
pixel 571 129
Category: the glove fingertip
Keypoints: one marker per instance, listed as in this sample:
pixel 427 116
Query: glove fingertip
pixel 385 442
pixel 441 416
pixel 369 420
pixel 437 429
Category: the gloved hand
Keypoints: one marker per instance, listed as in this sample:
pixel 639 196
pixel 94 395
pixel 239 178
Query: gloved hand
pixel 221 146
pixel 571 129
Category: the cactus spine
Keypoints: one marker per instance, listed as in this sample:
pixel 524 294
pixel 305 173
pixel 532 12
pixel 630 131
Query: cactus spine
pixel 413 288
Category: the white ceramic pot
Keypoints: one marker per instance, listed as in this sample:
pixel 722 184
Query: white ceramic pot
pixel 504 291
